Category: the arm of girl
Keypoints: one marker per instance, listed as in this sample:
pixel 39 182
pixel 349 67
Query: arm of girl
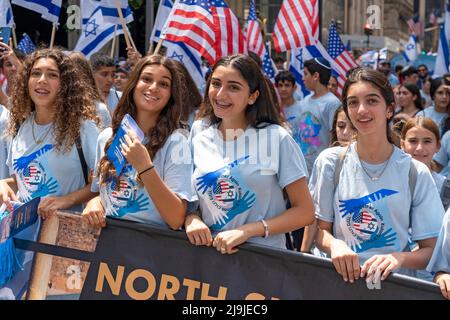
pixel 299 215
pixel 94 213
pixel 8 189
pixel 171 208
pixel 443 280
pixel 387 263
pixel 344 259
pixel 197 231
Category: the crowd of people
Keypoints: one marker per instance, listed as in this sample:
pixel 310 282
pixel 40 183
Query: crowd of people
pixel 359 177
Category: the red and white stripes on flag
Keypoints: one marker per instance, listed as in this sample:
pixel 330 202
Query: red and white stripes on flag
pixel 297 25
pixel 207 26
pixel 253 35
pixel 191 22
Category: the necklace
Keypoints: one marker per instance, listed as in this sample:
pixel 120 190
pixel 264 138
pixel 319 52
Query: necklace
pixel 374 178
pixel 39 141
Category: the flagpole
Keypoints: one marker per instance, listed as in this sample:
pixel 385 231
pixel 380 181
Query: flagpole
pixel 124 26
pixel 52 40
pixel 14 36
pixel 158 47
pixel 114 42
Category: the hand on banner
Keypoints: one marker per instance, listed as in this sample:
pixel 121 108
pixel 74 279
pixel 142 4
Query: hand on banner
pixel 197 231
pixel 7 195
pixel 135 152
pixel 385 264
pixel 94 213
pixel 345 261
pixel 133 57
pixel 443 280
pixel 227 241
pixel 50 205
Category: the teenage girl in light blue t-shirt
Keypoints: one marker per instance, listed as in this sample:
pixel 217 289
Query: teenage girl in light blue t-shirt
pixel 243 163
pixel 364 221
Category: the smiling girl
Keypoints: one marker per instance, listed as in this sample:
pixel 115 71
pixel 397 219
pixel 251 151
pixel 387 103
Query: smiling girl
pixel 365 208
pixel 243 163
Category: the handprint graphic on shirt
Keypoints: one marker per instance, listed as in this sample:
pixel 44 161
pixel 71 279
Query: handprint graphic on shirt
pixel 363 226
pixel 210 179
pixel 240 205
pixel 22 163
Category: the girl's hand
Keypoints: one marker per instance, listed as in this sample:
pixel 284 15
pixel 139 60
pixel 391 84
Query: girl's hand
pixel 443 280
pixel 7 195
pixel 384 264
pixel 345 261
pixel 227 241
pixel 135 152
pixel 94 213
pixel 197 231
pixel 49 205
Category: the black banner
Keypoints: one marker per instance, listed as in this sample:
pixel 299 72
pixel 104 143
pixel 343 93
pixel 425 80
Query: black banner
pixel 137 261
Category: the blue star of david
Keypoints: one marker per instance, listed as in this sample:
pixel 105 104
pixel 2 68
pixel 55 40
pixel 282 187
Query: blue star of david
pixel 93 30
pixel 176 56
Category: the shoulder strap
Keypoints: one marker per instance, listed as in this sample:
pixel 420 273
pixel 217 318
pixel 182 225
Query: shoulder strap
pixel 82 160
pixel 339 164
pixel 412 178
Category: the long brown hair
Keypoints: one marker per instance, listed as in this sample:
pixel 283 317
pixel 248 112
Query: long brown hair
pixel 72 104
pixel 168 120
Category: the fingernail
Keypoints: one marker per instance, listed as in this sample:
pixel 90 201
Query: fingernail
pixel 351 281
pixel 345 280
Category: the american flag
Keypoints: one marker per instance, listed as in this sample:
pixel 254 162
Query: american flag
pixel 122 190
pixel 26 45
pixel 208 26
pixel 269 67
pixel 363 222
pixel 30 175
pixel 224 191
pixel 297 25
pixel 253 35
pixel 342 58
pixel 415 25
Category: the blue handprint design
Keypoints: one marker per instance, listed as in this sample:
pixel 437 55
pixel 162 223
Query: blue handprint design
pixel 240 205
pixel 22 163
pixel 132 206
pixel 44 189
pixel 353 206
pixel 210 179
pixel 386 239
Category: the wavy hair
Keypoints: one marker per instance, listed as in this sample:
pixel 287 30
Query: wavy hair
pixel 169 119
pixel 72 104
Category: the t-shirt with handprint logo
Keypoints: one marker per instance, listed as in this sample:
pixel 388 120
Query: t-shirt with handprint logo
pixel 242 180
pixel 373 217
pixel 311 120
pixel 440 260
pixel 42 171
pixel 126 198
pixel 4 142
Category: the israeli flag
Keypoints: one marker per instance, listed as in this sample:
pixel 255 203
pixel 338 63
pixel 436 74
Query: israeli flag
pixel 49 9
pixel 298 57
pixel 193 63
pixel 442 65
pixel 410 52
pixel 165 6
pixel 110 13
pixel 95 31
pixel 6 20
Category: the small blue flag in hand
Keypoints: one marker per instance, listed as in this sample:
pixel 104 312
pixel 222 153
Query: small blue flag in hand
pixel 26 45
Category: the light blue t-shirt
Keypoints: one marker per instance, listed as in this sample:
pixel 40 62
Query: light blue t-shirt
pixel 443 155
pixel 103 114
pixel 373 217
pixel 242 180
pixel 311 121
pixel 437 117
pixel 440 260
pixel 4 118
pixel 129 199
pixel 40 172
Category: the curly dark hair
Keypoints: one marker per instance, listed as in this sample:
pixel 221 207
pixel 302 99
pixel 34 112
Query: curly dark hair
pixel 72 104
pixel 169 119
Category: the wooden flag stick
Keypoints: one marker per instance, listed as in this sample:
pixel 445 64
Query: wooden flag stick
pixel 14 36
pixel 52 40
pixel 113 47
pixel 124 26
pixel 158 46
